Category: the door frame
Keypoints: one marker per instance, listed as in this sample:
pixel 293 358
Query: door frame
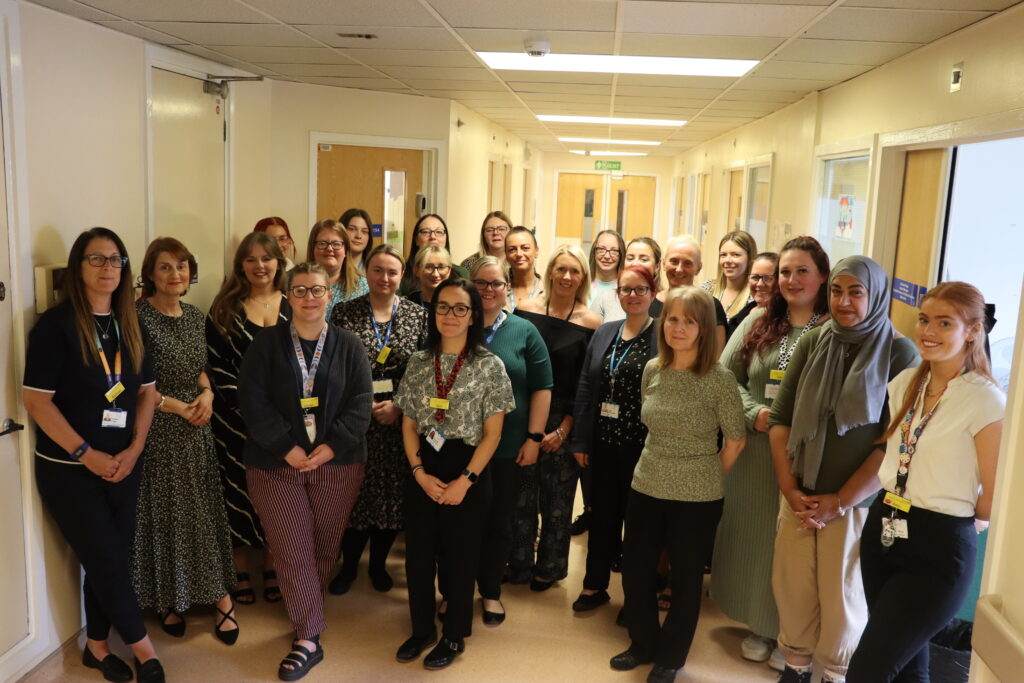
pixel 607 200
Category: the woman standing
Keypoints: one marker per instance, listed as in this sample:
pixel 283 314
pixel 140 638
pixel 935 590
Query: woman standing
pixel 433 266
pixel 823 428
pixel 736 252
pixel 89 388
pixel 941 456
pixel 492 238
pixel 391 329
pixel 521 254
pixel 329 247
pixel 521 349
pixel 676 496
pixel 305 395
pixel 249 301
pixel 606 258
pixel 182 550
pixel 566 325
pixel 278 229
pixel 758 354
pixel 609 435
pixel 453 397
pixel 643 252
pixel 429 230
pixel 359 226
pixel 762 284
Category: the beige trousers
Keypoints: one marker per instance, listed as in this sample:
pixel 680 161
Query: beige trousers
pixel 818 589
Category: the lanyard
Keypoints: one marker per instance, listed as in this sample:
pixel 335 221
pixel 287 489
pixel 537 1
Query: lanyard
pixel 112 377
pixel 376 331
pixel 444 386
pixel 613 367
pixel 494 328
pixel 908 441
pixel 308 375
pixel 786 351
pixel 512 293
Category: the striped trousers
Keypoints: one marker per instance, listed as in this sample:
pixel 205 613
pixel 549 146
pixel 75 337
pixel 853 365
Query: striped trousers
pixel 304 515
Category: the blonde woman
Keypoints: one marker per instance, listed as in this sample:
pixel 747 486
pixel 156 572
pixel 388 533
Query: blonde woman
pixel 736 252
pixel 433 265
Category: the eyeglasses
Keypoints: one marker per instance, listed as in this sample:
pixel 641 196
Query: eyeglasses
pixel 323 245
pixel 642 290
pixel 427 232
pixel 435 268
pixel 767 279
pixel 606 251
pixel 99 260
pixel 283 239
pixel 300 292
pixel 499 230
pixel 493 284
pixel 458 310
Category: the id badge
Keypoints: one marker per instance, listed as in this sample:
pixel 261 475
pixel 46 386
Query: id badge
pixel 899 527
pixel 383 386
pixel 439 403
pixel 114 418
pixel 436 439
pixel 309 420
pixel 771 387
pixel 609 409
pixel 888 533
pixel 311 402
pixel 385 351
pixel 114 392
pixel 898 502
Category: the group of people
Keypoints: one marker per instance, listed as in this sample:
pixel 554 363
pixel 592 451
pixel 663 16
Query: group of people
pixel 763 423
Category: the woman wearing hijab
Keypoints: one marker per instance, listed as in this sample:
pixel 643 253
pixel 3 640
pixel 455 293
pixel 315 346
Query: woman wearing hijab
pixel 824 428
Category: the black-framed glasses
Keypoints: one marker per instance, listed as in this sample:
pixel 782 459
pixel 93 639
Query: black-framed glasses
pixel 458 310
pixel 641 290
pixel 493 284
pixel 99 260
pixel 436 268
pixel 427 232
pixel 498 230
pixel 606 251
pixel 300 292
pixel 283 239
pixel 324 245
pixel 767 279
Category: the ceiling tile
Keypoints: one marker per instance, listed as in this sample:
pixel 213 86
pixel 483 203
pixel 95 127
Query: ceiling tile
pixel 544 98
pixel 513 77
pixel 440 73
pixel 336 70
pixel 827 72
pixel 744 93
pixel 708 47
pixel 346 12
pixel 182 10
pixel 800 85
pixel 143 32
pixel 442 58
pixel 563 42
pixel 468 95
pixel 650 91
pixel 435 84
pixel 284 55
pixel 715 19
pixel 543 15
pixel 916 26
pixel 982 5
pixel 76 9
pixel 362 83
pixel 232 34
pixel 388 37
pixel 710 82
pixel 576 88
pixel 844 51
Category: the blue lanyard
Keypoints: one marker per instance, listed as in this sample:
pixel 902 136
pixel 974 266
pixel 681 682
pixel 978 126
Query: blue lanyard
pixel 494 330
pixel 112 377
pixel 376 330
pixel 613 367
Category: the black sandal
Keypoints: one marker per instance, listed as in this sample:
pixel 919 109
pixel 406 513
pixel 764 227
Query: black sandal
pixel 301 660
pixel 243 596
pixel 172 628
pixel 227 636
pixel 271 593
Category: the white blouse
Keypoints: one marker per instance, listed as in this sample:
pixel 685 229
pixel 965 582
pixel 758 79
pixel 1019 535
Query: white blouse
pixel 944 475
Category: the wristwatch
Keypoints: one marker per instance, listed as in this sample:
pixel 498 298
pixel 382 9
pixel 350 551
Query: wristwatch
pixel 472 476
pixel 535 436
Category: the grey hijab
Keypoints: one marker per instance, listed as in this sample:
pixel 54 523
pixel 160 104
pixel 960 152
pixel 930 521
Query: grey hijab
pixel 859 397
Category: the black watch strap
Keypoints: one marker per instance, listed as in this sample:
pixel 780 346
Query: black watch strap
pixel 535 436
pixel 472 476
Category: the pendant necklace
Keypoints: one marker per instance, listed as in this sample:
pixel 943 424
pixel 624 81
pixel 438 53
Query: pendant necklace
pixel 105 332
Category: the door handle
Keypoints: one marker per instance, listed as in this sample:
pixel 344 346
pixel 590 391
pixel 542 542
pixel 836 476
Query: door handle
pixel 9 426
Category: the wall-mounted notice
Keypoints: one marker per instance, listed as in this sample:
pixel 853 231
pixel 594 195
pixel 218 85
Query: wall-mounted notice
pixel 907 292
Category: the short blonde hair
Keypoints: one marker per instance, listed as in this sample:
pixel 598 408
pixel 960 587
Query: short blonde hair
pixel 491 261
pixel 583 292
pixel 699 306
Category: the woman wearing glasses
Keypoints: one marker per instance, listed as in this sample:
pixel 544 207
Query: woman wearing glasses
pixel 432 267
pixel 521 254
pixel 453 397
pixel 391 329
pixel 492 238
pixel 329 248
pixel 358 225
pixel 606 258
pixel 429 230
pixel 278 229
pixel 306 397
pixel 609 435
pixel 89 388
pixel 643 252
pixel 762 286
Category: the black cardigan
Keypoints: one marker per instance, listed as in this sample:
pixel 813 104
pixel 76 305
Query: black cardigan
pixel 585 410
pixel 269 389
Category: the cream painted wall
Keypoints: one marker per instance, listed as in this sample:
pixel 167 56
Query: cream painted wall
pixel 251 193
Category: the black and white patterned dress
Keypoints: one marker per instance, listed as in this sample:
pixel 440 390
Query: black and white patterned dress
pixel 380 498
pixel 182 550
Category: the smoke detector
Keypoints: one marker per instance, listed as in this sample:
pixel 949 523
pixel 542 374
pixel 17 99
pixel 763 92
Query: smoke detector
pixel 537 48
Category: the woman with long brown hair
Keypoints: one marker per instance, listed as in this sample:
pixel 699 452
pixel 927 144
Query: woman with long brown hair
pixel 329 246
pixel 493 230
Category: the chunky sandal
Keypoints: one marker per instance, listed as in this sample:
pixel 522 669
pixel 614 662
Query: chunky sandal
pixel 271 593
pixel 226 636
pixel 172 628
pixel 243 596
pixel 301 661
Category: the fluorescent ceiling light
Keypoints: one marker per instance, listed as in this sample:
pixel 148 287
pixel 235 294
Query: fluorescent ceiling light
pixel 619 64
pixel 559 118
pixel 602 141
pixel 606 153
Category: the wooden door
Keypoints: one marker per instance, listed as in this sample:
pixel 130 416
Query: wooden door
pixel 579 213
pixel 735 200
pixel 632 206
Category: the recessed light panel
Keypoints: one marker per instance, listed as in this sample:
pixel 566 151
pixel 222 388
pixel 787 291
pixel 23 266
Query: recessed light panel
pixel 603 141
pixel 611 120
pixel 619 64
pixel 606 153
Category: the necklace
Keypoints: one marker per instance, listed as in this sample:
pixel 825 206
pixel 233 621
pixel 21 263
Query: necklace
pixel 105 331
pixel 266 304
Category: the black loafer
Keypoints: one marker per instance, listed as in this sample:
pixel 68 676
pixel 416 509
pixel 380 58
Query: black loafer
pixel 661 674
pixel 585 602
pixel 627 661
pixel 493 618
pixel 538 586
pixel 113 668
pixel 341 583
pixel 149 671
pixel 414 647
pixel 443 654
pixel 381 580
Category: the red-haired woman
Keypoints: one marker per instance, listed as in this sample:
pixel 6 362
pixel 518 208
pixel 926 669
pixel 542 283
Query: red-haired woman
pixel 278 229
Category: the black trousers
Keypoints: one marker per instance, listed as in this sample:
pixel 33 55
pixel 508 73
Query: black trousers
pixel 687 530
pixel 97 519
pixel 913 589
pixel 497 539
pixel 611 470
pixel 446 537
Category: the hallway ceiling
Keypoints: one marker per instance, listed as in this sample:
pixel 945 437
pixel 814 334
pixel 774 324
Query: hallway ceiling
pixel 426 47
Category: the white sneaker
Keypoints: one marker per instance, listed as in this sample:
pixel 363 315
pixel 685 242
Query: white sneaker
pixel 756 648
pixel 778 660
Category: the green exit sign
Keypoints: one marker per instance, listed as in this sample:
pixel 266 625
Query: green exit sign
pixel 607 165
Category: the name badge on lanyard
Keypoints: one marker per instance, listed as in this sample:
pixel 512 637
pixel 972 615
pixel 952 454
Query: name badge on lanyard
pixel 771 387
pixel 308 402
pixel 383 386
pixel 609 409
pixel 436 439
pixel 113 417
pixel 385 350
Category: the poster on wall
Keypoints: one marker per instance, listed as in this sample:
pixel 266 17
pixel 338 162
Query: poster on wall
pixel 844 219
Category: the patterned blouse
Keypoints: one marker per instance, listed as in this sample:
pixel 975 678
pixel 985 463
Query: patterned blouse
pixel 338 293
pixel 481 390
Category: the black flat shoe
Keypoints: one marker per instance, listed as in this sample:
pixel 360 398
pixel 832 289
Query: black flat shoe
pixel 150 671
pixel 341 583
pixel 443 654
pixel 381 580
pixel 662 674
pixel 301 661
pixel 585 602
pixel 271 593
pixel 493 618
pixel 538 586
pixel 226 636
pixel 172 628
pixel 627 661
pixel 243 596
pixel 581 524
pixel 113 668
pixel 414 647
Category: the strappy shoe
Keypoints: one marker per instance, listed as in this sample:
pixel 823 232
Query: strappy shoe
pixel 172 628
pixel 271 593
pixel 300 660
pixel 243 596
pixel 226 636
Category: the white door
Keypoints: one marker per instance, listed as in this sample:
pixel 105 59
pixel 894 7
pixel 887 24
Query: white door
pixel 188 175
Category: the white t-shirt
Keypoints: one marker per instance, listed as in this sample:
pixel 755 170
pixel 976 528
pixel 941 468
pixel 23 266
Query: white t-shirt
pixel 599 286
pixel 606 304
pixel 944 475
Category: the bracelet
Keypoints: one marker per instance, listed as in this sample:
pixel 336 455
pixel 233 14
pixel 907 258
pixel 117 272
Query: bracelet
pixel 160 405
pixel 560 432
pixel 416 469
pixel 80 451
pixel 839 504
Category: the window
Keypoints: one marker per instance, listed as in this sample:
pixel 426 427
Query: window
pixel 758 193
pixel 842 206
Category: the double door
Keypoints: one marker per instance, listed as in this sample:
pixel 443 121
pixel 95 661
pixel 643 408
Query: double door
pixel 591 202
